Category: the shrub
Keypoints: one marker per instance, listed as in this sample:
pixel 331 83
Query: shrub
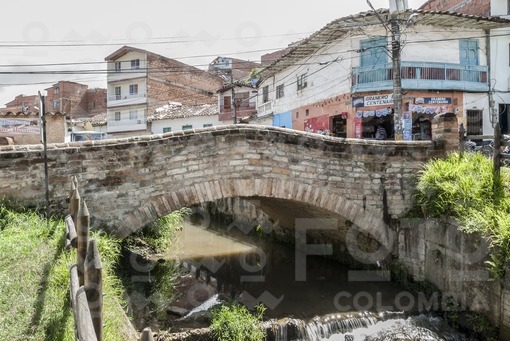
pixel 235 323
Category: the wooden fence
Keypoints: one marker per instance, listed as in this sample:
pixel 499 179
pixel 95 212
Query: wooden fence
pixel 86 284
pixel 86 288
pixel 495 150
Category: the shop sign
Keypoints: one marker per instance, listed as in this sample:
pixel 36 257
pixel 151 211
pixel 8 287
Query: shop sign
pixel 432 100
pixel 378 100
pixel 358 102
pixel 17 126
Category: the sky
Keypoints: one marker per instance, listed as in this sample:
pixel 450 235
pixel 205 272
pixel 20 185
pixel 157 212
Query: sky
pixel 62 35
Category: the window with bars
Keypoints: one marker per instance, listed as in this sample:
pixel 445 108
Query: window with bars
pixel 135 64
pixel 118 92
pixel 117 116
pixel 167 129
pixel 280 91
pixel 474 122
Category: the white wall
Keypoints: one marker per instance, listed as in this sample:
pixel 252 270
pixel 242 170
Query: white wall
pixel 126 67
pixel 478 101
pixel 499 8
pixel 177 123
pixel 329 69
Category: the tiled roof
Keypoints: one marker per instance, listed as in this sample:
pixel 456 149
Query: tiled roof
pixel 96 120
pixel 176 110
pixel 342 27
pixel 7 112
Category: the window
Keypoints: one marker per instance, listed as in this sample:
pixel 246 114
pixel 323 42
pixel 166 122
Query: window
pixel 207 125
pixel 187 127
pixel 56 104
pixel 307 112
pixel 56 89
pixel 117 116
pixel 474 122
pixel 508 7
pixel 301 82
pixel 133 115
pixel 265 94
pixel 118 66
pixel 297 114
pixel 227 103
pixel 135 64
pixel 133 89
pixel 167 129
pixel 117 92
pixel 279 91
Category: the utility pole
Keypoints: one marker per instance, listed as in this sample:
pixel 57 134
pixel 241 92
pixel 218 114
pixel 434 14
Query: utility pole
pixel 397 81
pixel 42 118
pixel 233 95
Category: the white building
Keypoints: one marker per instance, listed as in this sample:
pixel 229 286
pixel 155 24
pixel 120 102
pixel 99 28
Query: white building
pixel 340 79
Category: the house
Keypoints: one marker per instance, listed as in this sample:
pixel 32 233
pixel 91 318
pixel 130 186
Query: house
pixel 176 116
pixel 75 100
pixel 499 50
pixel 139 82
pixel 238 85
pixel 339 80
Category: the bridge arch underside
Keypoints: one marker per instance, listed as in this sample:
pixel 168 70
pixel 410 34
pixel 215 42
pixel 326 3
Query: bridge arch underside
pixel 303 209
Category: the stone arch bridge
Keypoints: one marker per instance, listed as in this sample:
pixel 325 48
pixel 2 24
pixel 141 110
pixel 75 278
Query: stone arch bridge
pixel 130 182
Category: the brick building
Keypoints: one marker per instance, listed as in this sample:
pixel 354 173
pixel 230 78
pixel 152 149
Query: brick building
pixel 75 100
pixel 140 81
pixel 470 7
pixel 22 103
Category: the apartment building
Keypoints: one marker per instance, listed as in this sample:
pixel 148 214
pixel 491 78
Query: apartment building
pixel 140 81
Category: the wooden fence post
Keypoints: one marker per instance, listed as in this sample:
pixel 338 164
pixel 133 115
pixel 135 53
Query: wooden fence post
pixel 147 335
pixel 71 231
pixel 74 286
pixel 462 139
pixel 497 152
pixel 75 204
pixel 94 287
pixel 84 321
pixel 72 187
pixel 82 230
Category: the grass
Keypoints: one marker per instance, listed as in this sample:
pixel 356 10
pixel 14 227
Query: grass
pixel 235 323
pixel 465 188
pixel 34 277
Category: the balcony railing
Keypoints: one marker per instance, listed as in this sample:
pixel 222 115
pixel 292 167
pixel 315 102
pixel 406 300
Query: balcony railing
pixel 118 100
pixel 422 76
pixel 265 109
pixel 240 107
pixel 126 122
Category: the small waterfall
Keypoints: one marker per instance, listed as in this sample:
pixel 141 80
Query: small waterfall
pixel 211 302
pixel 320 328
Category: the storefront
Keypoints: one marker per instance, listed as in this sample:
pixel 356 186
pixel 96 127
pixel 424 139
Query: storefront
pixel 339 125
pixel 420 112
pixel 373 113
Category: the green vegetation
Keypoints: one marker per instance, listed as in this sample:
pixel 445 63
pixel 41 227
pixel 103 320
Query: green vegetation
pixel 156 238
pixel 465 188
pixel 34 277
pixel 235 323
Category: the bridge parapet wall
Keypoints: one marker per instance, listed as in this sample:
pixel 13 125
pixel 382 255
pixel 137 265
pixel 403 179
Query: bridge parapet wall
pixel 132 181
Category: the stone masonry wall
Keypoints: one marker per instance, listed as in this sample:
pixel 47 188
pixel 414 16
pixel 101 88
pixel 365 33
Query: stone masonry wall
pixel 130 182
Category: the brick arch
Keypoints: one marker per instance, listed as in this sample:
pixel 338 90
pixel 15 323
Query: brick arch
pixel 368 220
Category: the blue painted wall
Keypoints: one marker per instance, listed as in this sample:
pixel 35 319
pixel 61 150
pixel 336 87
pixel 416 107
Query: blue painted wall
pixel 283 120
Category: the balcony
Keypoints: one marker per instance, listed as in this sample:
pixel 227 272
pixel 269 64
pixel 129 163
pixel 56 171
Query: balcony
pixel 120 100
pixel 422 76
pixel 265 109
pixel 126 122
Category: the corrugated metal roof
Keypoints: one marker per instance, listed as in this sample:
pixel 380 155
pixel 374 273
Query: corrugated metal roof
pixel 340 27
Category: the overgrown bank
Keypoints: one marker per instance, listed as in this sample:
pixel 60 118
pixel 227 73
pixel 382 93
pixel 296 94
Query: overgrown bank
pixel 34 277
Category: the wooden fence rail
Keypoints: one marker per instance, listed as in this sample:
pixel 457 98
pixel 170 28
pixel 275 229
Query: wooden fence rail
pixel 86 275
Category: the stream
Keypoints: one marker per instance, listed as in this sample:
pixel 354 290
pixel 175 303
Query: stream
pixel 306 297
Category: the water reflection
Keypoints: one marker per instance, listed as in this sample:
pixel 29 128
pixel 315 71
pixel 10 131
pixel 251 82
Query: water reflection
pixel 333 301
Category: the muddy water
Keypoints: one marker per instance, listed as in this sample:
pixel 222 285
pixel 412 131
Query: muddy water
pixel 315 296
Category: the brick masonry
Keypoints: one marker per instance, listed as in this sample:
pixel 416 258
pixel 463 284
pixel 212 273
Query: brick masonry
pixel 130 182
